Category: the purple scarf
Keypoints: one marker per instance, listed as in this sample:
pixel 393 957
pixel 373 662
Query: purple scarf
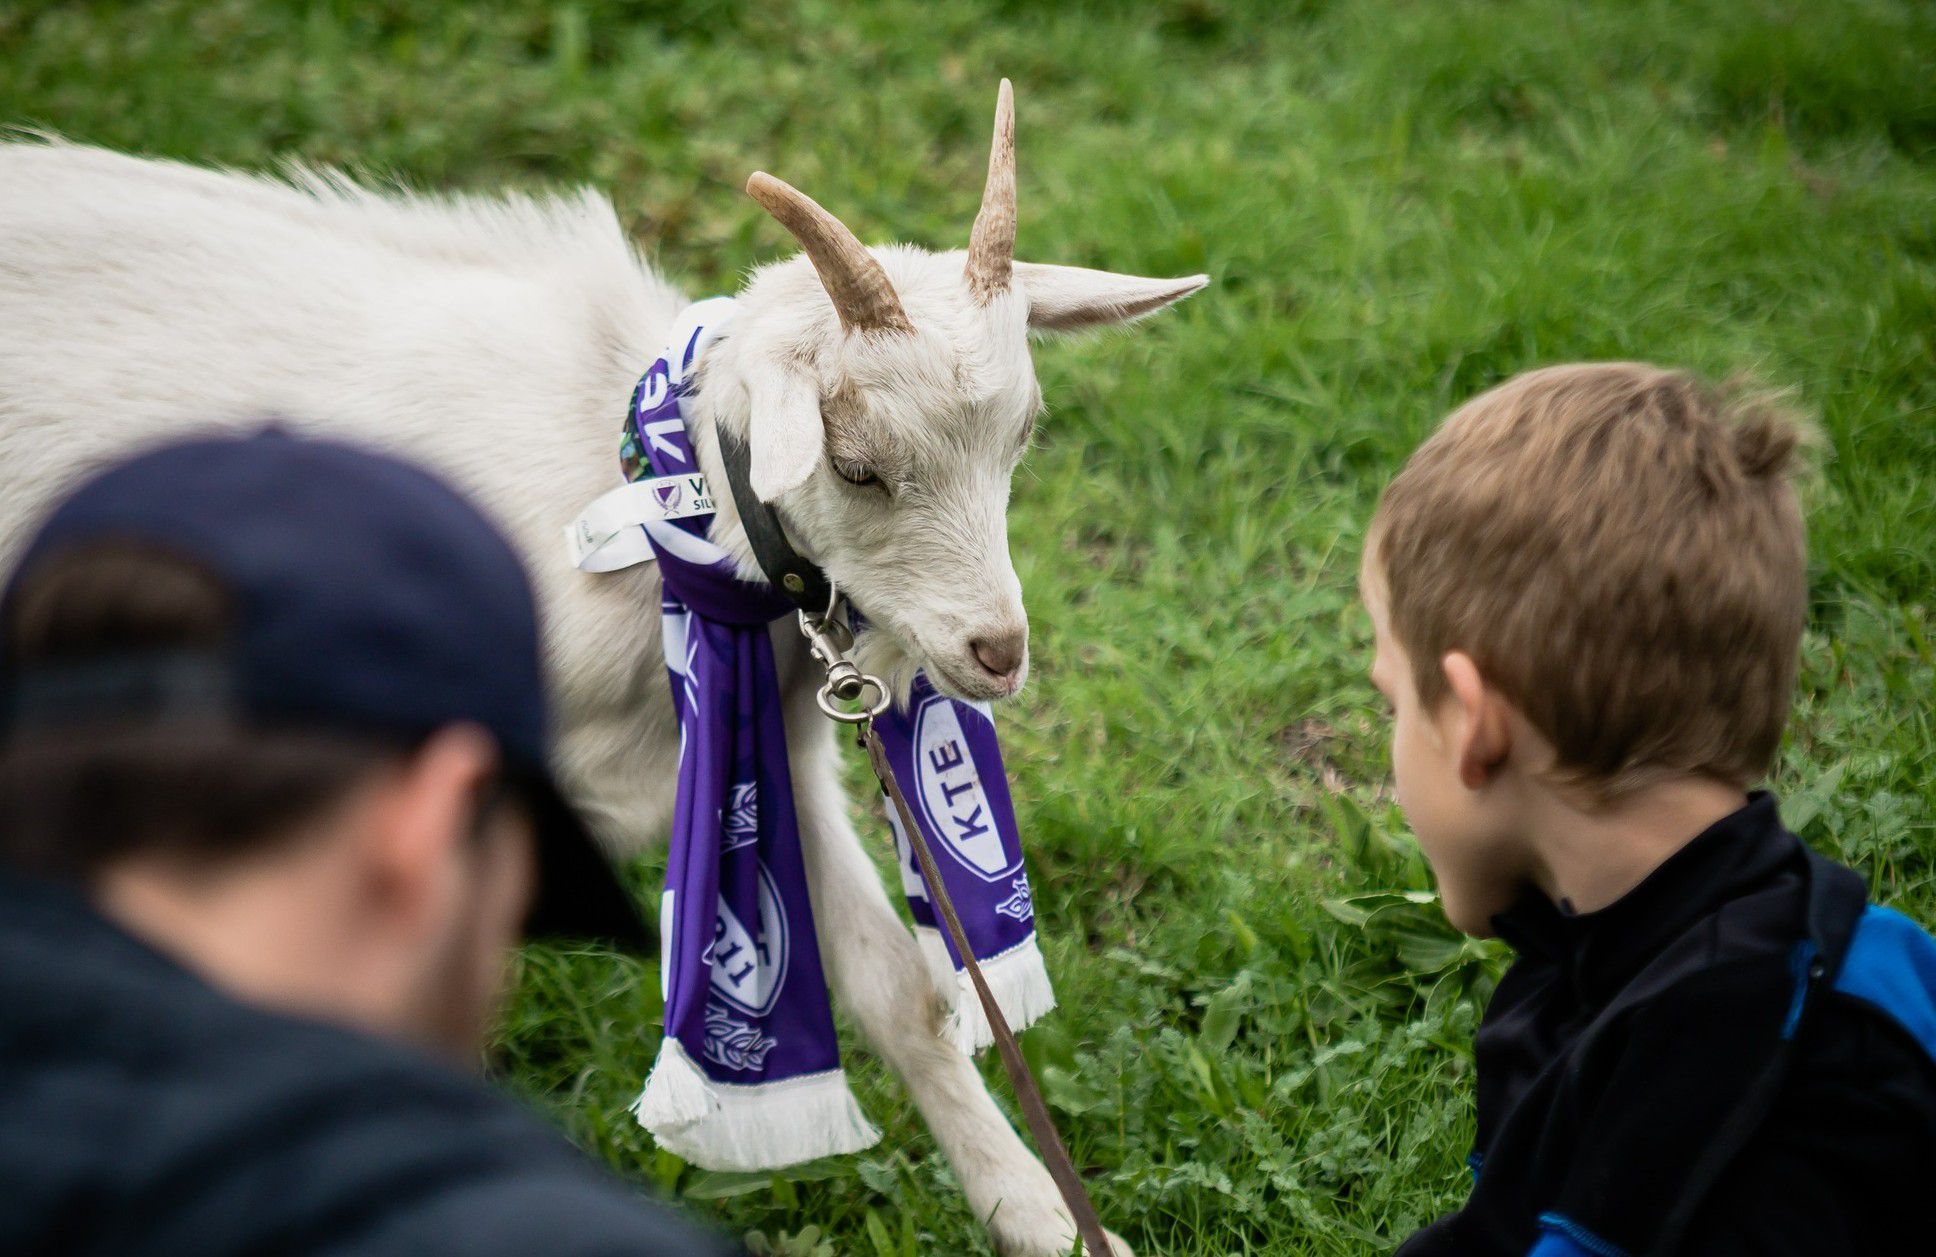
pixel 748 1075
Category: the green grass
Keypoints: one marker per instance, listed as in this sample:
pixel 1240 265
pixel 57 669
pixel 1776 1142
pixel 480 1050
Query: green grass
pixel 1264 1039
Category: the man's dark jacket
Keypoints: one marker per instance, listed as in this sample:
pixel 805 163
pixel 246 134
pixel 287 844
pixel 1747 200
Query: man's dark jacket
pixel 143 1113
pixel 1737 1057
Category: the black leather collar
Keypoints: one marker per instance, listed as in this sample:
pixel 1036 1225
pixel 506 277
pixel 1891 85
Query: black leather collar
pixel 798 578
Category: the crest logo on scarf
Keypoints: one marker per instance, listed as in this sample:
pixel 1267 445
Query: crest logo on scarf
pixel 749 966
pixel 951 793
pixel 1020 904
pixel 735 1044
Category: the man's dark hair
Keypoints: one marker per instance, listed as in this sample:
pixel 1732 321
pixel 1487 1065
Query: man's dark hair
pixel 76 796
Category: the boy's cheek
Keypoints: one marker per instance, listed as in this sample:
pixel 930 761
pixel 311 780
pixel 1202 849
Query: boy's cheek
pixel 1419 781
pixel 1476 895
pixel 1440 812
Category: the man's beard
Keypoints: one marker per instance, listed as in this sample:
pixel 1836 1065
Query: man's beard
pixel 464 985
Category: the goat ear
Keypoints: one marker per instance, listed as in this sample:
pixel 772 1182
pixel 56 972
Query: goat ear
pixel 787 435
pixel 1072 298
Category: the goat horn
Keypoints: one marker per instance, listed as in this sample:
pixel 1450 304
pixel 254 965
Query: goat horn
pixel 862 295
pixel 991 247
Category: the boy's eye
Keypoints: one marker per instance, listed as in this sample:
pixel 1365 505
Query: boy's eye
pixel 856 473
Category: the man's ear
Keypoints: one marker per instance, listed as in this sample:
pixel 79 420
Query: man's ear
pixel 1072 298
pixel 422 814
pixel 1481 732
pixel 785 430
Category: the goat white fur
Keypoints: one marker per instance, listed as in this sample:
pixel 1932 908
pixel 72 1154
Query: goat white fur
pixel 498 340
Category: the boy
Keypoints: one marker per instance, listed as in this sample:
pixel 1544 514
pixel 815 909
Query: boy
pixel 1587 590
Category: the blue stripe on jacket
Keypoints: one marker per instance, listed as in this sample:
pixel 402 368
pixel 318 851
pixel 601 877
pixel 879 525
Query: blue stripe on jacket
pixel 1561 1236
pixel 1891 964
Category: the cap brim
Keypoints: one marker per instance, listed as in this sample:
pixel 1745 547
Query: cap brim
pixel 579 896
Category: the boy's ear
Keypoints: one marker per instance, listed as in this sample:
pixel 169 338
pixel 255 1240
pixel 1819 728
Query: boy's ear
pixel 1482 735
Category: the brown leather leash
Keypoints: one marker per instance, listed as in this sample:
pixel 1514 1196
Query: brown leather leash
pixel 846 682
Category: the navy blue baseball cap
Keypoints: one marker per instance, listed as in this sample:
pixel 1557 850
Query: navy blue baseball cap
pixel 369 598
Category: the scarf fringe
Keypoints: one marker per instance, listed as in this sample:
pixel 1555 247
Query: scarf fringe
pixel 1018 978
pixel 721 1126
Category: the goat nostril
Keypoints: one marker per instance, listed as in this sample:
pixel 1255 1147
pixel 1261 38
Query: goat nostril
pixel 1001 654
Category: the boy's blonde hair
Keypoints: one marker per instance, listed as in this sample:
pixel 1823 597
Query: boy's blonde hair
pixel 1619 549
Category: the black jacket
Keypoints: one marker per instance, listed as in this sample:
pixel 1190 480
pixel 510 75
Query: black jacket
pixel 143 1113
pixel 1737 1057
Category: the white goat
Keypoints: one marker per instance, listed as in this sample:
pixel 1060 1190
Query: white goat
pixel 886 394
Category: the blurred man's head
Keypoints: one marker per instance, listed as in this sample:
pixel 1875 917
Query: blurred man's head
pixel 275 704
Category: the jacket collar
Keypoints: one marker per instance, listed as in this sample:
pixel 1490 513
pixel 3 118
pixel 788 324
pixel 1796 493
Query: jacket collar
pixel 1601 951
pixel 37 907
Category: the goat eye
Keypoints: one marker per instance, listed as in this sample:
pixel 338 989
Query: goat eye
pixel 856 474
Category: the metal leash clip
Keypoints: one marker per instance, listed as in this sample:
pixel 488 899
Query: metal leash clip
pixel 829 640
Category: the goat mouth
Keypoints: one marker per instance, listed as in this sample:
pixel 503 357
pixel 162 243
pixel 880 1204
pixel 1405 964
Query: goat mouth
pixel 954 676
pixel 972 682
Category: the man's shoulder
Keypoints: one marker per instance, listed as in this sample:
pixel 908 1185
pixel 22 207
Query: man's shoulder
pixel 370 1148
pixel 559 1215
pixel 377 1153
pixel 142 1111
pixel 90 1010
